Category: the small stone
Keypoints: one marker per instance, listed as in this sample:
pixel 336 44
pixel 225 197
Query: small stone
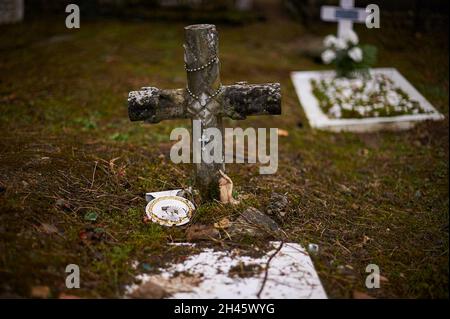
pixel 201 232
pixel 149 290
pixel 254 223
pixel 277 205
pixel 40 292
pixel 313 248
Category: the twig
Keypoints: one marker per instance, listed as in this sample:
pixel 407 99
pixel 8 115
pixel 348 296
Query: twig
pixel 93 174
pixel 266 273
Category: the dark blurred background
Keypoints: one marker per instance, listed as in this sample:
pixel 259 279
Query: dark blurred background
pixel 417 15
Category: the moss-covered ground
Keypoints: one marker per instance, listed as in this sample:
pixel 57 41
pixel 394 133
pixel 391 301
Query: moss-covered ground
pixel 73 168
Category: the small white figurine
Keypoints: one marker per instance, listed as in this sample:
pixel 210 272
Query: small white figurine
pixel 226 189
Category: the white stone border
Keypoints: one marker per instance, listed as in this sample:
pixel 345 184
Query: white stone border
pixel 318 119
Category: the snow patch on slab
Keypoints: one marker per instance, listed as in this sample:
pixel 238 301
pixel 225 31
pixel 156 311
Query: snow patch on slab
pixel 290 274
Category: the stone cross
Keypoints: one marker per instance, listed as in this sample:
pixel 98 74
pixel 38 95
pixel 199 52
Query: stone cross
pixel 345 15
pixel 204 99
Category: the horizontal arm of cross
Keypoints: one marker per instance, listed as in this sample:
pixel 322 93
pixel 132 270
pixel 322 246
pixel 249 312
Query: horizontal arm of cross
pixel 153 105
pixel 241 99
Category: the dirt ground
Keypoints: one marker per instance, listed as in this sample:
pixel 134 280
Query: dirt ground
pixel 74 170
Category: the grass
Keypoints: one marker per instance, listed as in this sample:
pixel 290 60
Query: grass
pixel 68 149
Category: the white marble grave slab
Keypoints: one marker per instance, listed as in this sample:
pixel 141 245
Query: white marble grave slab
pixel 291 275
pixel 318 119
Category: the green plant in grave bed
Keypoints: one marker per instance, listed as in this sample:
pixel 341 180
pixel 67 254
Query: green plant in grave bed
pixel 350 58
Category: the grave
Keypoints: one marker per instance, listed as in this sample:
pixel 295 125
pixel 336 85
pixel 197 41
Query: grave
pixel 372 100
pixel 204 99
pixel 317 118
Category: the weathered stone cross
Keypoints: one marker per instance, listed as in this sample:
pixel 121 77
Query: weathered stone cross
pixel 204 99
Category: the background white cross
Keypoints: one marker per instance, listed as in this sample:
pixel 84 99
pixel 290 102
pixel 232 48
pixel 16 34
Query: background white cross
pixel 345 15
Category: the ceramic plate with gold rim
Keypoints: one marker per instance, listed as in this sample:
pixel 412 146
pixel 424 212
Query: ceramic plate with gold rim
pixel 170 210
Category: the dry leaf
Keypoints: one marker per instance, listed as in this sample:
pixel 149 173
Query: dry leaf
pixel 383 279
pixel 283 133
pixel 361 295
pixel 366 239
pixel 48 229
pixel 66 296
pixel 223 223
pixel 40 292
pixel 201 232
pixel 112 164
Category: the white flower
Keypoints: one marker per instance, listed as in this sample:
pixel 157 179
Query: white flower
pixel 351 36
pixel 335 111
pixel 347 92
pixel 357 84
pixel 347 106
pixel 355 54
pixel 340 44
pixel 329 41
pixel 392 98
pixel 360 109
pixel 328 56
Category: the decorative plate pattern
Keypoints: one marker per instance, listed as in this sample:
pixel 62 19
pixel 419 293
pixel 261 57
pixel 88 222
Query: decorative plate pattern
pixel 170 210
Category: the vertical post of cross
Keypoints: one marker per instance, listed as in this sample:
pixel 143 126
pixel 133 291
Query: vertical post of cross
pixel 345 25
pixel 201 52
